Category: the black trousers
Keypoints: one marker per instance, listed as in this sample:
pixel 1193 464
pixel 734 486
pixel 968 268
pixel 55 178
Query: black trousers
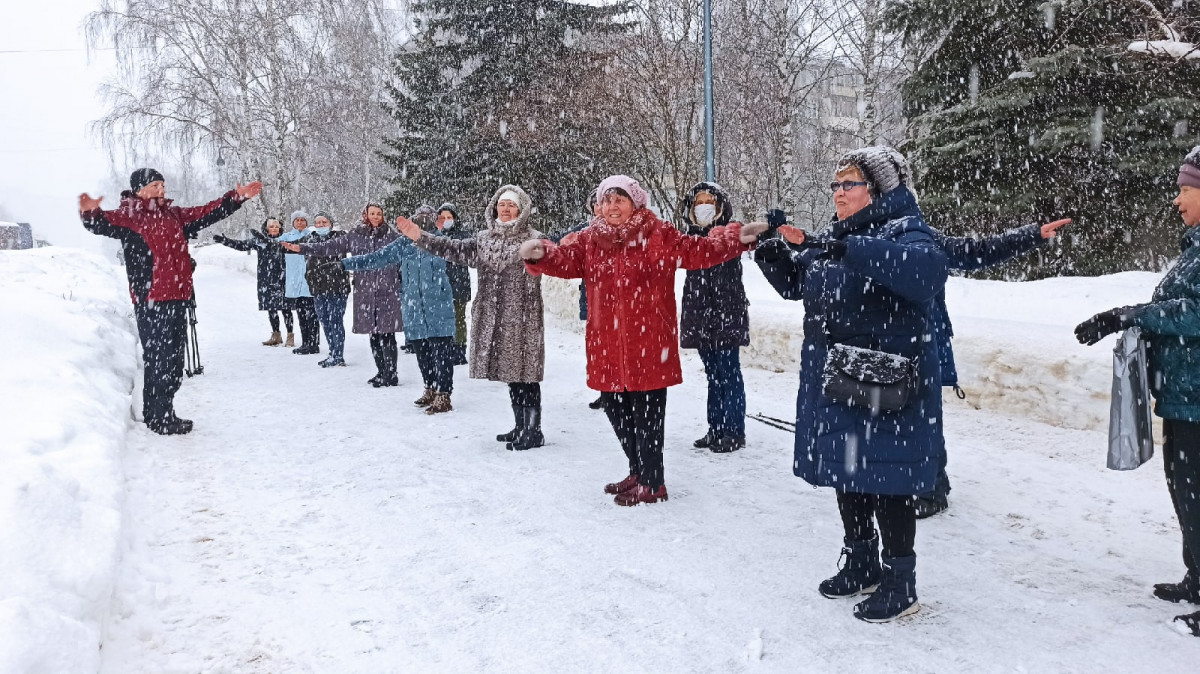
pixel 896 515
pixel 162 329
pixel 1181 460
pixel 639 420
pixel 273 316
pixel 435 356
pixel 525 394
pixel 310 327
pixel 383 348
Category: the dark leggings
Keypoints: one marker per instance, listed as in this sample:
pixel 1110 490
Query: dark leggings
pixel 383 348
pixel 896 515
pixel 434 356
pixel 310 327
pixel 273 316
pixel 1181 460
pixel 638 418
pixel 525 394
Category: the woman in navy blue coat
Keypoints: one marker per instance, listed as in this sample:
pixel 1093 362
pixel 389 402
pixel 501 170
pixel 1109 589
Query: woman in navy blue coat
pixel 869 281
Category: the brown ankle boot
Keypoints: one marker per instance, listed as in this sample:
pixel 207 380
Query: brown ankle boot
pixel 426 399
pixel 291 340
pixel 275 340
pixel 440 404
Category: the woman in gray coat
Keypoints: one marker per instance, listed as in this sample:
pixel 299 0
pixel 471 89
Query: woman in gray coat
pixel 507 333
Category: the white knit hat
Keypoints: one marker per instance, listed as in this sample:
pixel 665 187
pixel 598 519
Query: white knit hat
pixel 510 196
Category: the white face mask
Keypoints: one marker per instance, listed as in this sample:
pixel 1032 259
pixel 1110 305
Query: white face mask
pixel 449 224
pixel 705 214
pixel 323 230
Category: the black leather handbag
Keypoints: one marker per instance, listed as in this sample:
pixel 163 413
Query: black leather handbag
pixel 860 377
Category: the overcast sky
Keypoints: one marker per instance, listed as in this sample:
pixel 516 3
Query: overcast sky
pixel 46 155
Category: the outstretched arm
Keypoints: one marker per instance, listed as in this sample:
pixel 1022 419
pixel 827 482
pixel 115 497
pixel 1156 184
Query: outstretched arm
pixel 244 245
pixel 974 253
pixel 196 218
pixel 783 267
pixel 1177 318
pixel 565 260
pixel 458 251
pixel 391 254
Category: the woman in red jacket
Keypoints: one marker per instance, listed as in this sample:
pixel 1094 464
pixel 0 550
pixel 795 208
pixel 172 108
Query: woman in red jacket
pixel 627 258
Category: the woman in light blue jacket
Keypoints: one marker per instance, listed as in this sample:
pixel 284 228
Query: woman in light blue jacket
pixel 428 311
pixel 296 288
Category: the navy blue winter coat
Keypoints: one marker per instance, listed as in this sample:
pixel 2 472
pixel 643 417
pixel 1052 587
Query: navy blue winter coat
pixel 270 269
pixel 880 295
pixel 968 254
pixel 714 310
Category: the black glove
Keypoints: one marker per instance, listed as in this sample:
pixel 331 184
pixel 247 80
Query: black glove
pixel 771 251
pixel 1103 324
pixel 776 218
pixel 259 235
pixel 834 249
pixel 220 238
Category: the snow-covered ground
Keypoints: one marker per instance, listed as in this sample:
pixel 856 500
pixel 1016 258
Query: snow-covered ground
pixel 66 368
pixel 314 524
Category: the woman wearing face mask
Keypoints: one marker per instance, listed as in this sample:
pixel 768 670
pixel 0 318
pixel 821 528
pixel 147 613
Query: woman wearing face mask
pixel 271 278
pixel 628 258
pixel 507 333
pixel 448 225
pixel 330 286
pixel 296 290
pixel 715 321
pixel 377 294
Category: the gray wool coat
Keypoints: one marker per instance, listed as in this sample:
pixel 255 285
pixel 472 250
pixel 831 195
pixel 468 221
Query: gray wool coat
pixel 507 332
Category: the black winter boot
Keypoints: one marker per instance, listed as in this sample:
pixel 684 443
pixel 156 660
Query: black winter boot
pixel 725 445
pixel 707 441
pixel 518 419
pixel 1185 590
pixel 159 416
pixel 896 595
pixel 858 571
pixel 530 435
pixel 1191 621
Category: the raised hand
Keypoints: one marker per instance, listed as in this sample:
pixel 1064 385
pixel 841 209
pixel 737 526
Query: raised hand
pixel 249 190
pixel 287 245
pixel 751 231
pixel 1050 229
pixel 793 235
pixel 532 250
pixel 86 203
pixel 408 228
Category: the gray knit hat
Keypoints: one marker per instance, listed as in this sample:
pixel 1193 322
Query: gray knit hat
pixel 1189 172
pixel 296 215
pixel 324 214
pixel 883 167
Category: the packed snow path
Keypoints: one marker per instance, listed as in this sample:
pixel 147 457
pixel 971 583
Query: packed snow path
pixel 314 524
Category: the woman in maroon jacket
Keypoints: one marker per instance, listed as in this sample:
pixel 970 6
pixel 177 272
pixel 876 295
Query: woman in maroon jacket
pixel 153 234
pixel 628 258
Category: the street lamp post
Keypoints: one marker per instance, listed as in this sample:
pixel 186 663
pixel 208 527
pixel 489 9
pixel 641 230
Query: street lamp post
pixel 710 161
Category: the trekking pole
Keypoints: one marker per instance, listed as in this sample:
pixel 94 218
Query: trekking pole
pixel 193 348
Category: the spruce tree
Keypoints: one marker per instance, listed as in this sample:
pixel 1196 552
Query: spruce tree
pixel 1023 110
pixel 491 92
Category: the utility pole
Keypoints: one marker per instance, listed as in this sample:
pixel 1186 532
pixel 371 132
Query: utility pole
pixel 710 156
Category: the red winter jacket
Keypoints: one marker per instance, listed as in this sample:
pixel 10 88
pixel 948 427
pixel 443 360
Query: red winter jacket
pixel 629 273
pixel 158 231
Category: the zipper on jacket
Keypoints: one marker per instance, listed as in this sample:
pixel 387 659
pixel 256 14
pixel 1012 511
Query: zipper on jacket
pixel 621 326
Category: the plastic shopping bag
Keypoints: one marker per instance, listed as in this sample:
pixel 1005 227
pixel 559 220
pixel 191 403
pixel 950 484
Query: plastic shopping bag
pixel 1130 433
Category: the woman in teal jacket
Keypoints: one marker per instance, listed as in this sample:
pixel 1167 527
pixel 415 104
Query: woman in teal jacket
pixel 428 312
pixel 1170 324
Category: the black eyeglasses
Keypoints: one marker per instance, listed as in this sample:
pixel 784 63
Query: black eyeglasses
pixel 846 185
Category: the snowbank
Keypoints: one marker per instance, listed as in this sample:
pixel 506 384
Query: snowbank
pixel 1014 342
pixel 66 370
pixel 226 258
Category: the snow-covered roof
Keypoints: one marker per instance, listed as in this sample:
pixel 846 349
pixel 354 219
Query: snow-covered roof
pixel 9 224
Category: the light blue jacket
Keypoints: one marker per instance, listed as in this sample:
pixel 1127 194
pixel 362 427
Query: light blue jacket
pixel 295 285
pixel 427 302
